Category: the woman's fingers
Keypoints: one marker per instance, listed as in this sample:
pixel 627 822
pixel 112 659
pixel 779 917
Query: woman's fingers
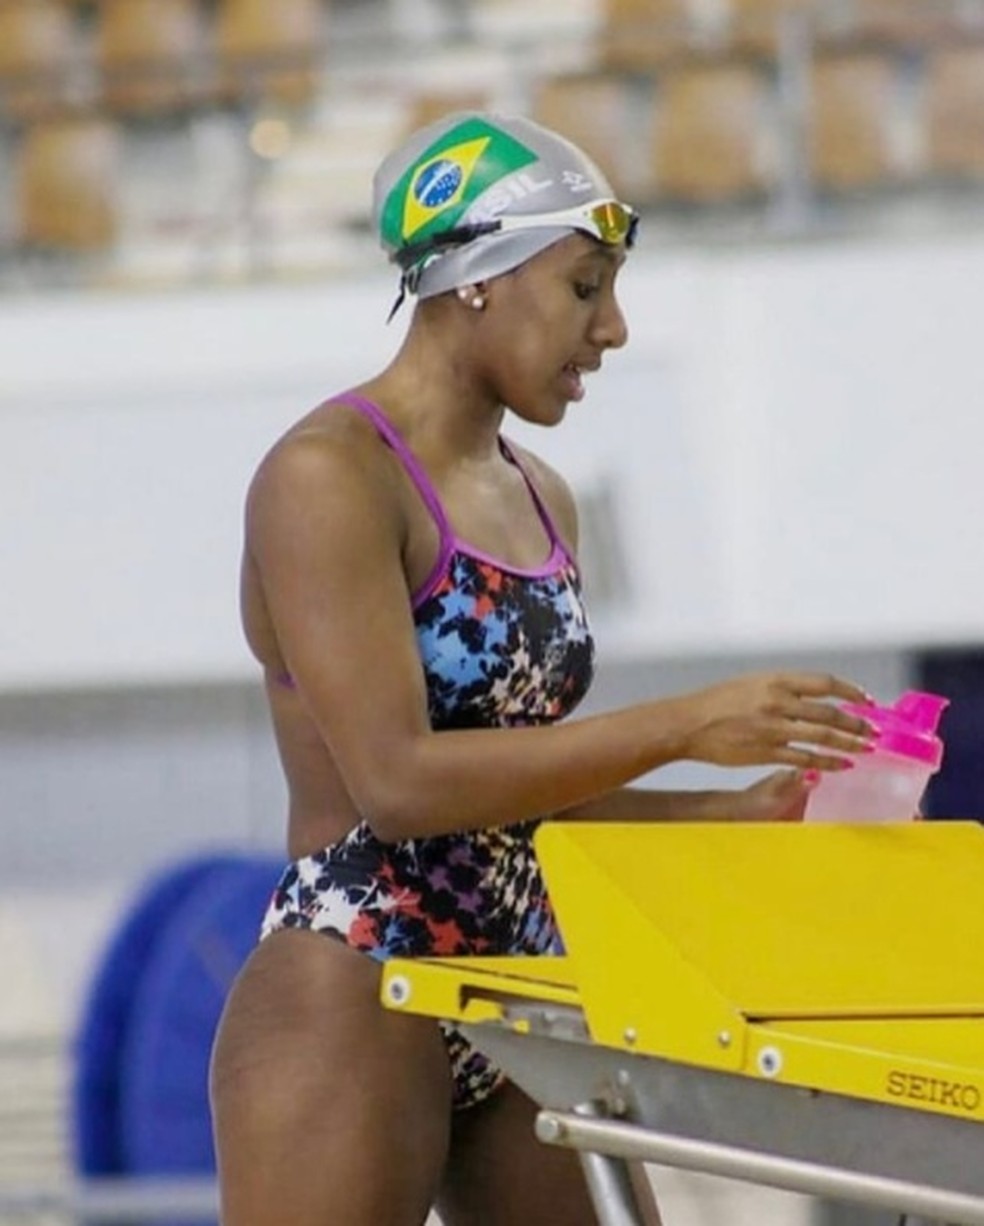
pixel 810 733
pixel 810 759
pixel 826 685
pixel 808 711
pixel 817 726
pixel 790 719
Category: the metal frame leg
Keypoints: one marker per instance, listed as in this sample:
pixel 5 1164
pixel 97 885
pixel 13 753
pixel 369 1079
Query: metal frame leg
pixel 614 1190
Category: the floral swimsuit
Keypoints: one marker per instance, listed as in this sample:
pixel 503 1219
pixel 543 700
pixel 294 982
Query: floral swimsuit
pixel 500 647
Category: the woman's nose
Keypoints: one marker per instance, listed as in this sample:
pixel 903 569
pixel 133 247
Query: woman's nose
pixel 610 330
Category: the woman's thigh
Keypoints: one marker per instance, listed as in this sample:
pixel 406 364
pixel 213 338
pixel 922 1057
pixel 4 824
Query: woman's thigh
pixel 326 1107
pixel 498 1174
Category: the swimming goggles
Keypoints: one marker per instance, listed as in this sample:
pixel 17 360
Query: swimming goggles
pixel 609 221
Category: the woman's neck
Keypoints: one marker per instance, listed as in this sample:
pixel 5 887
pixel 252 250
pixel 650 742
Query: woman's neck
pixel 436 397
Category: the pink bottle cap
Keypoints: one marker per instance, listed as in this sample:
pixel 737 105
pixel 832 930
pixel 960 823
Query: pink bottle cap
pixel 908 728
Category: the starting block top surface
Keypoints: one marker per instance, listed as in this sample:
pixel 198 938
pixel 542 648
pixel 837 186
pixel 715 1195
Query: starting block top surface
pixel 797 921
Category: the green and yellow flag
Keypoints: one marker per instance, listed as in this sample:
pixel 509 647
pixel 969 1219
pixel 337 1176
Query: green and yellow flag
pixel 447 178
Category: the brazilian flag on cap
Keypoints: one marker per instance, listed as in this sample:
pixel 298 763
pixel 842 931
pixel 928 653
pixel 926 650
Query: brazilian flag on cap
pixel 447 178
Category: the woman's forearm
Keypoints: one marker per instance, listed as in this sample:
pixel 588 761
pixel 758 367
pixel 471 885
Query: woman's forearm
pixel 436 782
pixel 453 780
pixel 650 805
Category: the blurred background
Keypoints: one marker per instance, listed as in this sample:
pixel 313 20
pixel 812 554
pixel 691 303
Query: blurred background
pixel 783 469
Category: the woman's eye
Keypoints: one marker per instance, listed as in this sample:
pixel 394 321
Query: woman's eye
pixel 585 290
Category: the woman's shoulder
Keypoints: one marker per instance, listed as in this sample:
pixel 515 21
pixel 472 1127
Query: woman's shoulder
pixel 332 450
pixel 333 434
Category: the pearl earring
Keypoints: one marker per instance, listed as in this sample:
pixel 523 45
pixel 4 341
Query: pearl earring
pixel 475 301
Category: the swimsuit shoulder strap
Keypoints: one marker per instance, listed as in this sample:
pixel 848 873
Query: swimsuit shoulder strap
pixel 541 507
pixel 414 468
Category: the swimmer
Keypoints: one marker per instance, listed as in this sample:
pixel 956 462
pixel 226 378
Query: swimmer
pixel 410 590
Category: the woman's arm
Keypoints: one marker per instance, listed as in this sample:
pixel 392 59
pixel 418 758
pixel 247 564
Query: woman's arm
pixel 326 534
pixel 780 796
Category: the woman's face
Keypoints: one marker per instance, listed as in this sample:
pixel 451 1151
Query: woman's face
pixel 548 323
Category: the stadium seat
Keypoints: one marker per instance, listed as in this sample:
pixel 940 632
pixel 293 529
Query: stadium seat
pixel 901 23
pixel 592 111
pixel 755 26
pixel 271 50
pixel 37 42
pixel 640 35
pixel 851 126
pixel 65 185
pixel 955 111
pixel 710 142
pixel 149 53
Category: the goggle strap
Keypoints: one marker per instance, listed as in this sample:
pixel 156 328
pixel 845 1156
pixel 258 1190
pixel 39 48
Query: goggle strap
pixel 400 298
pixel 412 258
pixel 412 253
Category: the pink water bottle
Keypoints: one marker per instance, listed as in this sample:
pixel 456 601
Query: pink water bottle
pixel 886 784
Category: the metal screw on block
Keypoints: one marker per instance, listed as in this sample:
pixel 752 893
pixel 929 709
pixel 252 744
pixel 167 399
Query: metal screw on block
pixel 630 1034
pixel 398 990
pixel 724 1038
pixel 770 1061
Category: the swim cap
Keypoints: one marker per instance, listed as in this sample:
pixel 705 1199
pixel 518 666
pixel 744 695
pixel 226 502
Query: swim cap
pixel 467 169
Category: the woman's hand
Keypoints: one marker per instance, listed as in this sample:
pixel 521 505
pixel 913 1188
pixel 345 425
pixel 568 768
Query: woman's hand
pixel 782 718
pixel 779 797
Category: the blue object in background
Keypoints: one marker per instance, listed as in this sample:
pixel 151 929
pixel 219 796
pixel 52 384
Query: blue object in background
pixel 140 1099
pixel 164 1111
pixel 957 791
pixel 106 1014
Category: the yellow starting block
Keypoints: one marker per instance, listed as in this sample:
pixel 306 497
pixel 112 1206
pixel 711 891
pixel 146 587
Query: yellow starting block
pixel 800 1006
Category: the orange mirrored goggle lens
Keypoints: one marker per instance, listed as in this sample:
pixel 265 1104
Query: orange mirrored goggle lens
pixel 614 223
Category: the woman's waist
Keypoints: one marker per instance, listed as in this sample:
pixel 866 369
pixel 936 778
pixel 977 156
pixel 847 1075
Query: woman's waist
pixel 357 844
pixel 474 892
pixel 470 869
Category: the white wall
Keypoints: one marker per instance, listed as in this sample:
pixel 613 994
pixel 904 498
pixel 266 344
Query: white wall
pixel 128 429
pixel 792 435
